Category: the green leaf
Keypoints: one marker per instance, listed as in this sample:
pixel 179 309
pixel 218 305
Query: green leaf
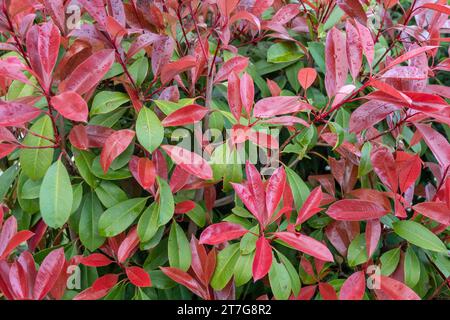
pixel 248 242
pixel 283 52
pixel 148 223
pixel 419 235
pixel 35 162
pixel 280 282
pixel 167 107
pixel 365 165
pixel 149 130
pixel 166 202
pixel 120 174
pixel 56 196
pixel 317 50
pixel 300 190
pixel 412 268
pixel 293 275
pixel 334 18
pixel 110 194
pixel 31 189
pixel 243 269
pixel 389 261
pixel 83 161
pixel 357 253
pixel 178 248
pixel 226 262
pixel 6 180
pixel 28 205
pixel 107 101
pixel 108 119
pixel 339 131
pixel 197 215
pixel 119 217
pixel 139 70
pixel 88 227
pixel 77 196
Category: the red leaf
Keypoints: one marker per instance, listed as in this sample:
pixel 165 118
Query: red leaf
pixel 226 7
pixel 236 64
pixel 396 290
pixel 71 106
pixel 274 89
pixel 408 55
pixel 18 281
pixel 234 95
pixel 367 42
pixel 247 92
pixel 144 40
pixel 355 210
pixel 263 259
pixel 48 273
pixel 162 52
pixel 16 240
pixel 384 166
pixel 184 279
pixel 43 48
pixel 78 137
pixel 189 161
pixel 274 191
pixel 354 49
pixel 354 9
pixel 249 200
pixel 370 113
pixel 388 89
pixel 336 61
pixel 184 206
pixel 311 206
pixel 306 244
pixel 327 291
pixel 170 70
pixel 436 7
pixel 306 77
pixel 437 211
pixel 56 10
pixel 186 115
pixel 373 233
pixel 16 113
pixel 286 121
pixel 285 14
pixel 408 169
pixel 138 276
pixel 273 106
pixel 96 9
pixel 96 260
pixel 114 145
pixel 89 72
pixel 128 245
pixel 143 170
pixel 221 232
pixel 437 143
pixel 257 189
pixel 99 289
pixel 354 287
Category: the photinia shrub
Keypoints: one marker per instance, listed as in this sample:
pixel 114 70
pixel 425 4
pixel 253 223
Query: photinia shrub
pixel 224 149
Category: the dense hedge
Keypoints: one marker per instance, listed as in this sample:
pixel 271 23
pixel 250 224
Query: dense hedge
pixel 224 149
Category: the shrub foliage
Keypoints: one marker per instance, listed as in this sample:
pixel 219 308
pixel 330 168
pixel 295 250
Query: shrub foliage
pixel 224 149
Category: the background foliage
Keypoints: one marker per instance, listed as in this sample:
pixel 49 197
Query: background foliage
pixel 100 202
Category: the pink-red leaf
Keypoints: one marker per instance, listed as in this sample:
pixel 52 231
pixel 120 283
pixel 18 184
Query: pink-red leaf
pixel 437 143
pixel 354 49
pixel 114 145
pixel 336 61
pixel 170 70
pixel 189 161
pixel 373 233
pixel 87 74
pixel 236 64
pixel 186 115
pixel 96 260
pixel 306 244
pixel 396 290
pixel 138 276
pixel 273 106
pixel 143 170
pixel 71 106
pixel 234 95
pixel 354 287
pixel 306 77
pixel 48 273
pixel 354 9
pixel 327 291
pixel 369 114
pixel 274 191
pixel 221 232
pixel 263 258
pixel 16 240
pixel 128 246
pixel 437 211
pixel 247 92
pixel 311 206
pixel 184 279
pixel 356 210
pixel 16 113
